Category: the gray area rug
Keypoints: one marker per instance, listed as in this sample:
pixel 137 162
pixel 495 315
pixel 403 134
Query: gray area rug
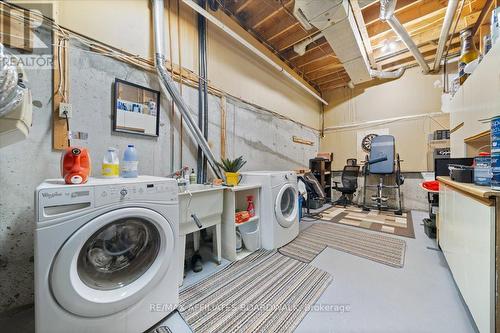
pixel 264 292
pixel 373 246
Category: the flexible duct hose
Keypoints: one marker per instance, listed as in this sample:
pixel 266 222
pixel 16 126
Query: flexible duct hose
pixel 11 85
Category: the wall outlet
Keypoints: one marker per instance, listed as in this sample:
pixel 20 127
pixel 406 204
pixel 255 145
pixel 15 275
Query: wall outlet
pixel 65 107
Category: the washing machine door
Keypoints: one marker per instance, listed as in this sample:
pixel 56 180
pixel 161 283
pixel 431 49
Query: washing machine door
pixel 286 206
pixel 111 262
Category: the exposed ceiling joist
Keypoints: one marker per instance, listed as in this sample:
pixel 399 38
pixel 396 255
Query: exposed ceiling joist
pixel 273 23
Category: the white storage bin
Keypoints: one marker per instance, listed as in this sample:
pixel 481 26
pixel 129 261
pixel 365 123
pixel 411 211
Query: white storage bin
pixel 251 236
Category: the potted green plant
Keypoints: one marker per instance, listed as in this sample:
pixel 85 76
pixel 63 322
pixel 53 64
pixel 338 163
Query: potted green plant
pixel 231 168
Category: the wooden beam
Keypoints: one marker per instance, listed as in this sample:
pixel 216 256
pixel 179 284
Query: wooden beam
pixel 407 54
pixel 256 21
pixel 59 128
pixel 333 85
pixel 332 77
pixel 428 53
pixel 318 54
pixel 223 119
pixel 484 12
pixel 321 64
pixel 296 35
pixel 358 16
pixel 423 37
pixel 371 13
pixel 332 69
pixel 429 58
pixel 278 31
pixel 411 13
pixel 243 4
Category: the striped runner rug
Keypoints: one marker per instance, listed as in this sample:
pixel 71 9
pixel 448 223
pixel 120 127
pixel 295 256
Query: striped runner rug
pixel 264 292
pixel 373 246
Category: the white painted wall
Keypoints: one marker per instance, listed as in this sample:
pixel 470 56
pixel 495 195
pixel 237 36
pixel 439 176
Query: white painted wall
pixel 413 94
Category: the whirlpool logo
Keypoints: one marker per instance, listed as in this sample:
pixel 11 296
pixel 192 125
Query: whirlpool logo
pixel 51 195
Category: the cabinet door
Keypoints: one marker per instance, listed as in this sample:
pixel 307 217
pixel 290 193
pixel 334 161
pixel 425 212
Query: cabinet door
pixel 467 231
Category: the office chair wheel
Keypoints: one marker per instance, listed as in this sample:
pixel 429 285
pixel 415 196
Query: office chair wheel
pixel 398 212
pixel 366 209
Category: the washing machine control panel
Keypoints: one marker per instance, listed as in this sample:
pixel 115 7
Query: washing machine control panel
pixel 154 191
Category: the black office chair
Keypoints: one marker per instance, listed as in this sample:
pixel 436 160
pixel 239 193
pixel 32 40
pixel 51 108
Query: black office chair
pixel 349 180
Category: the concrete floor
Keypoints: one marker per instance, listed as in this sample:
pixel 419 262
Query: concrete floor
pixel 366 296
pixel 420 297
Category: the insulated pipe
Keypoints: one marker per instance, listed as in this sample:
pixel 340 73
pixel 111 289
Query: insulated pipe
pixel 252 48
pixel 387 8
pixel 388 75
pixel 168 85
pixel 445 30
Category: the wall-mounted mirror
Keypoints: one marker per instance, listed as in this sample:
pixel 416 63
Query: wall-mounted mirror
pixel 136 109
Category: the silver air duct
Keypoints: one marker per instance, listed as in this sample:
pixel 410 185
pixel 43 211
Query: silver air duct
pixel 387 8
pixel 388 75
pixel 12 88
pixel 300 48
pixel 445 30
pixel 168 86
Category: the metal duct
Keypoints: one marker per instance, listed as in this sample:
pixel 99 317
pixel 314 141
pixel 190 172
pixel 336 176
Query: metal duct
pixel 168 85
pixel 387 8
pixel 335 20
pixel 12 88
pixel 300 48
pixel 388 75
pixel 445 30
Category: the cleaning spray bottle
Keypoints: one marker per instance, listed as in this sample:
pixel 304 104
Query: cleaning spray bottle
pixel 250 207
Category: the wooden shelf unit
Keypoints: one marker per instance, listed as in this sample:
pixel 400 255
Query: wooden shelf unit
pixel 235 199
pixel 322 169
pixel 478 143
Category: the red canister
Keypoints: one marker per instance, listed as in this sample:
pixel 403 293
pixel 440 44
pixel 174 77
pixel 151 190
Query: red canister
pixel 75 165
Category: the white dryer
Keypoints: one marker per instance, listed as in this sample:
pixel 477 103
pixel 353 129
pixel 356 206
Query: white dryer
pixel 279 206
pixel 105 254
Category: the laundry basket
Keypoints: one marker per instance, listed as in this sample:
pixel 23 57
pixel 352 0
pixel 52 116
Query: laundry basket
pixel 251 236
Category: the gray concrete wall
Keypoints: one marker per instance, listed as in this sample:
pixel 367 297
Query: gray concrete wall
pixel 264 140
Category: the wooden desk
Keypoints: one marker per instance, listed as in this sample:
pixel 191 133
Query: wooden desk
pixel 468 220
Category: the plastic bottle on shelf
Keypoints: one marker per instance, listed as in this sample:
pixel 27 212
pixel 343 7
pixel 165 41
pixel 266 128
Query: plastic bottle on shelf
pixel 192 177
pixel 130 163
pixel 468 53
pixel 110 164
pixel 250 207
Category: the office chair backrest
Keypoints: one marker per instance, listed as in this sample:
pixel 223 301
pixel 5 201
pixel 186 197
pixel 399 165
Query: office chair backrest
pixel 383 146
pixel 315 185
pixel 352 161
pixel 350 176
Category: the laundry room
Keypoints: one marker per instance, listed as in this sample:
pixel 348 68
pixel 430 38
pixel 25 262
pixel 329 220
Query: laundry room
pixel 249 165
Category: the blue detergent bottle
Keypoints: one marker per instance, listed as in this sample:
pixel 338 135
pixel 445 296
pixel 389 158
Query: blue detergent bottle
pixel 130 163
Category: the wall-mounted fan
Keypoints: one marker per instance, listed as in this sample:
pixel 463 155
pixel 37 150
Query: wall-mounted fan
pixel 366 143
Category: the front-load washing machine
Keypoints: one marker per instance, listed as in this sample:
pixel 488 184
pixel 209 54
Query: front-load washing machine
pixel 279 206
pixel 105 254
